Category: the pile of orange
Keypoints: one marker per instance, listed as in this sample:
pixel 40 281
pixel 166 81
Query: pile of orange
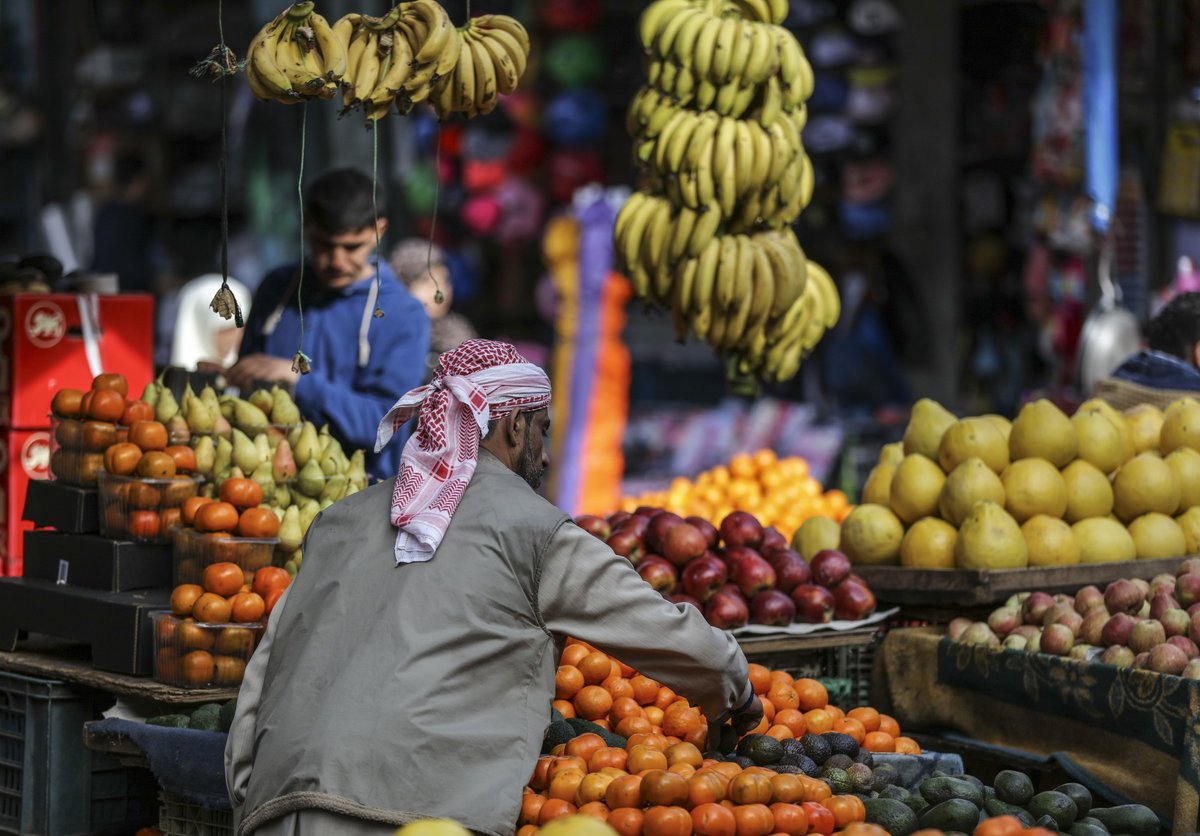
pixel 779 492
pixel 660 784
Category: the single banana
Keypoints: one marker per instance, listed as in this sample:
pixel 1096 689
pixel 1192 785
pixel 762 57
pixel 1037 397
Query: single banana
pixel 487 88
pixel 723 146
pixel 664 44
pixel 786 285
pixel 466 77
pixel 621 222
pixel 727 188
pixel 743 292
pixel 701 142
pixel 727 273
pixel 689 189
pixel 708 220
pixel 681 123
pixel 742 101
pixel 509 26
pixel 706 94
pixel 705 282
pixel 262 58
pixel 635 232
pixel 830 302
pixel 723 54
pixel 763 294
pixel 762 152
pixel 772 102
pixel 706 44
pixel 706 186
pixel 654 17
pixel 681 233
pixel 684 45
pixel 667 75
pixel 781 151
pixel 516 52
pixel 655 243
pixel 369 65
pixel 685 85
pixel 447 59
pixel 808 180
pixel 256 86
pixel 779 11
pixel 360 39
pixel 331 47
pixel 743 157
pixel 660 116
pixel 763 56
pixel 507 76
pixel 440 29
pixel 681 294
pixel 749 211
pixel 741 53
pixel 726 98
pixel 770 206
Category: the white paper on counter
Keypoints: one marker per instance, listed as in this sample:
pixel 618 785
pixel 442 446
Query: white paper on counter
pixel 798 629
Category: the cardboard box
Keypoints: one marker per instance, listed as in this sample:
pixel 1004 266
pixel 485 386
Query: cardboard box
pixel 63 507
pixel 46 340
pixel 24 456
pixel 115 624
pixel 96 562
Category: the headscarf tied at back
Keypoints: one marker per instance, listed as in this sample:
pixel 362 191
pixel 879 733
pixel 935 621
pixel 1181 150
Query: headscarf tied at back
pixel 478 382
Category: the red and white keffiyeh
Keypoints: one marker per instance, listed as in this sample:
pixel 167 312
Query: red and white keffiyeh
pixel 478 382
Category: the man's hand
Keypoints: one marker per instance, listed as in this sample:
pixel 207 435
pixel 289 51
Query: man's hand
pixel 724 738
pixel 261 367
pixel 746 719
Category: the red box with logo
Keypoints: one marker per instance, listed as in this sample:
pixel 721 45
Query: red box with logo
pixel 55 341
pixel 24 455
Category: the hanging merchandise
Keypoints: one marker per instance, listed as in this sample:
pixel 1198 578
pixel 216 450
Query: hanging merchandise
pixel 1179 181
pixel 723 174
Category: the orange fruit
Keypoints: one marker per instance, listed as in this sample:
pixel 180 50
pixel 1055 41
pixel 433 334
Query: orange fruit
pixel 592 702
pixel 623 707
pixel 567 681
pixel 784 696
pixel 564 707
pixel 793 719
pixel 869 717
pixel 618 686
pixel 595 667
pixel 780 732
pixel 812 694
pixel 878 741
pixel 851 727
pixel 760 678
pixel 888 724
pixel 629 726
pixel 572 653
pixel 818 721
pixel 645 689
pixel 907 746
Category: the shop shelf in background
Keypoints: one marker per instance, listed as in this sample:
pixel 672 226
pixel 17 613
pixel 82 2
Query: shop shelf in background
pixel 179 817
pixel 49 782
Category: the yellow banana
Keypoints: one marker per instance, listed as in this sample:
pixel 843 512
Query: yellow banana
pixel 744 98
pixel 331 47
pixel 831 304
pixel 706 44
pixel 723 145
pixel 680 124
pixel 465 78
pixel 763 293
pixel 762 153
pixel 705 282
pixel 509 26
pixel 723 54
pixel 664 44
pixel 701 143
pixel 369 64
pixel 262 57
pixel 681 233
pixel 757 10
pixel 486 86
pixel 741 52
pixel 779 11
pixel 706 186
pixel 684 45
pixel 772 102
pixel 727 273
pixel 510 44
pixel 656 235
pixel 654 18
pixel 507 76
pixel 681 292
pixel 706 94
pixel 763 58
pixel 439 29
pixel 743 157
pixel 708 220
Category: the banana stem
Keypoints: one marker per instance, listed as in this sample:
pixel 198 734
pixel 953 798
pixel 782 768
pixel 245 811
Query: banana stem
pixel 300 11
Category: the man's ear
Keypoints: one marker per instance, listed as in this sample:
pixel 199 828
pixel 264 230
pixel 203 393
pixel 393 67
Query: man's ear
pixel 516 427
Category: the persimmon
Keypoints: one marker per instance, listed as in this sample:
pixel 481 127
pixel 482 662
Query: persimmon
pixel 645 689
pixel 684 770
pixel 247 607
pixel 539 779
pixel 754 820
pixel 564 707
pixel 750 788
pixel 584 746
pixel 662 787
pixel 780 732
pixel 706 787
pixel 184 456
pixel 595 667
pixel 269 578
pixel 528 830
pixel 592 788
pixel 684 753
pixel 66 403
pixel 629 726
pixel 567 682
pixel 667 821
pixel 211 609
pixel 224 578
pixel 642 757
pixel 654 714
pixel 136 411
pixel 555 808
pixel 566 763
pixel 679 719
pixel 818 721
pixel 607 756
pixel 665 697
pixel 652 741
pixel 594 810
pixel 156 465
pixel 859 828
pixel 190 506
pixel 592 702
pixel 820 819
pixel 97 436
pixel 241 493
pixel 624 792
pixel 216 516
pixel 198 668
pixel 183 598
pixel 907 746
pixel 106 405
pixel 1000 826
pixel 627 821
pixel 531 806
pixel 787 788
pixel 111 380
pixel 148 435
pixel 122 459
pixel 618 686
pixel 846 809
pixel 144 525
pixel 789 818
pixel 623 707
pixel 711 819
pixel 565 785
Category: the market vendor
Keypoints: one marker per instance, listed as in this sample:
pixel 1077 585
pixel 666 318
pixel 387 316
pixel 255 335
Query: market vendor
pixel 408 671
pixel 360 362
pixel 1169 367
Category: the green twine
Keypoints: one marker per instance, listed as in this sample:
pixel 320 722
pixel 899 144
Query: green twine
pixel 300 355
pixel 375 209
pixel 437 190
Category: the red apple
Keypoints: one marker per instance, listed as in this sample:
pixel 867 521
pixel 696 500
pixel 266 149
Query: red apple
pixel 733 555
pixel 637 525
pixel 681 598
pixel 772 607
pixel 711 536
pixel 829 567
pixel 646 511
pixel 752 575
pixel 1187 589
pixel 660 524
pixel 1035 606
pixel 618 517
pixel 1168 659
pixel 1124 596
pixel 791 569
pixel 1185 644
pixel 727 610
pixel 814 604
pixel 1087 599
pixel 627 543
pixel 741 529
pixel 703 577
pixel 1175 622
pixel 772 539
pixel 1117 629
pixel 1162 602
pixel 852 601
pixel 1191 566
pixel 682 543
pixel 596 526
pixel 658 573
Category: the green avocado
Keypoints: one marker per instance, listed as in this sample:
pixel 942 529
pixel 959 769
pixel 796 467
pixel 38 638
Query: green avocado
pixel 173 721
pixel 1057 805
pixel 893 816
pixel 1013 787
pixel 1078 793
pixel 937 790
pixel 956 814
pixel 1134 819
pixel 995 808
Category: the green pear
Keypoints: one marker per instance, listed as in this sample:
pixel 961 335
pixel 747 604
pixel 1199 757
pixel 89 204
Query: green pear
pixel 310 481
pixel 188 394
pixel 226 402
pixel 308 446
pixel 262 399
pixel 209 396
pixel 206 452
pixel 263 446
pixel 324 437
pixel 356 472
pixel 166 407
pixel 293 435
pixel 325 503
pixel 283 409
pixel 262 475
pixel 150 393
pixel 335 487
pixel 351 489
pixel 223 458
pixel 308 513
pixel 178 431
pixel 249 417
pixel 292 569
pixel 236 472
pixel 283 463
pixel 200 418
pixel 283 496
pixel 245 454
pixel 298 558
pixel 290 535
pixel 222 427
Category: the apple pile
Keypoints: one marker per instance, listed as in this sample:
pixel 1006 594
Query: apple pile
pixel 1154 625
pixel 738 574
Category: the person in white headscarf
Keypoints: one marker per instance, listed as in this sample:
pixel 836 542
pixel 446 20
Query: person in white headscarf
pixel 200 336
pixel 408 671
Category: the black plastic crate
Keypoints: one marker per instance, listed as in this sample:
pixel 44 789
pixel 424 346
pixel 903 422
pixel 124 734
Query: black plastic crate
pixel 50 783
pixel 844 671
pixel 179 817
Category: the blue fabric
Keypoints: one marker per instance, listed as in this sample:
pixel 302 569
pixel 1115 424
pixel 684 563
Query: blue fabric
pixel 350 399
pixel 1159 371
pixel 187 762
pixel 1100 107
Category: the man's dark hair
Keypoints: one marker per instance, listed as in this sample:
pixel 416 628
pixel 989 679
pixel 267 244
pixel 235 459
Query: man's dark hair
pixel 339 201
pixel 1176 329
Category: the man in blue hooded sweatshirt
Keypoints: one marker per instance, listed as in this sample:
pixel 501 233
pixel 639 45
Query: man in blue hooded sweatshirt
pixel 1167 368
pixel 361 363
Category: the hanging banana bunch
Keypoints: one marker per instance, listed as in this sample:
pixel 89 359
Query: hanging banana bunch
pixel 295 57
pixel 491 61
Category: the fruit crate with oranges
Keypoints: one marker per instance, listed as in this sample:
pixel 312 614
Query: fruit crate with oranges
pixel 143 509
pixel 844 670
pixel 194 551
pixel 49 781
pixel 196 654
pixel 179 817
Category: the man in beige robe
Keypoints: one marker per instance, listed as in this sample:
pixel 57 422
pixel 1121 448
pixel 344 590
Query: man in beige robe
pixel 408 671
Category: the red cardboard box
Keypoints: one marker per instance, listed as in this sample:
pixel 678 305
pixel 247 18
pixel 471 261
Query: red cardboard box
pixel 24 455
pixel 55 341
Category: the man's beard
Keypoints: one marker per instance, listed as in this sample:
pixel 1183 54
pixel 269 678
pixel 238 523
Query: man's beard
pixel 529 466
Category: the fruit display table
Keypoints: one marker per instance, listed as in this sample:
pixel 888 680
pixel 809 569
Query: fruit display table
pixel 1132 730
pixel 66 662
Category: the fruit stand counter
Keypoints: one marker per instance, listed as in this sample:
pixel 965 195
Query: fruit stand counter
pixel 69 663
pixel 1133 730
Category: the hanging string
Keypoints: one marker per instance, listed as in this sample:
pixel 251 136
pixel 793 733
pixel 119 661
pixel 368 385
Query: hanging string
pixel 438 296
pixel 375 210
pixel 301 362
pixel 222 62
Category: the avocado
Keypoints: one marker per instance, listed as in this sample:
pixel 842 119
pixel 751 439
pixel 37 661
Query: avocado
pixel 839 780
pixel 206 718
pixel 1046 822
pixel 893 792
pixel 841 744
pixel 861 777
pixel 893 816
pixel 225 716
pixel 792 746
pixel 787 769
pixel 839 761
pixel 995 808
pixel 1084 827
pixel 973 780
pixel 1080 794
pixel 172 721
pixel 741 761
pixel 885 775
pixel 865 757
pixel 816 747
pixel 938 790
pixel 955 814
pixel 556 733
pixel 915 803
pixel 1091 822
pixel 1134 819
pixel 1013 787
pixel 1057 805
pixel 763 749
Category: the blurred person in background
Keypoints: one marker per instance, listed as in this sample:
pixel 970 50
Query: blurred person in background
pixel 1168 366
pixel 123 230
pixel 424 271
pixel 199 335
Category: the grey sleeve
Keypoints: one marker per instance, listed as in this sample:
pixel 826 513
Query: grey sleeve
pixel 590 593
pixel 239 747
